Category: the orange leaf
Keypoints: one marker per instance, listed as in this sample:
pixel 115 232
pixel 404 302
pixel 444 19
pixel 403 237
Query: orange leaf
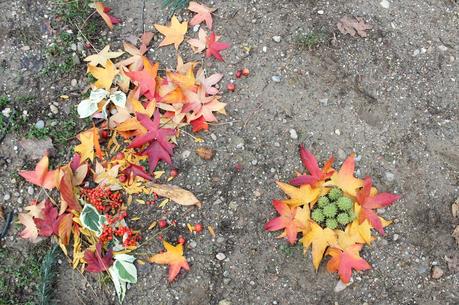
pixel 320 239
pixel 174 33
pixel 65 228
pixel 103 12
pixel 104 76
pixel 304 195
pixel 41 176
pixel 344 261
pixel 344 178
pixel 172 257
pixel 286 220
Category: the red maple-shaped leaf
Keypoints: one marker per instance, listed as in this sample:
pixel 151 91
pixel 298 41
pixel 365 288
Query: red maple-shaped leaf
pixel 49 223
pixel 344 261
pixel 286 221
pixel 369 203
pixel 159 147
pixel 41 176
pixel 214 47
pixel 316 174
pixel 199 124
pixel 146 78
pixel 136 171
pixel 96 261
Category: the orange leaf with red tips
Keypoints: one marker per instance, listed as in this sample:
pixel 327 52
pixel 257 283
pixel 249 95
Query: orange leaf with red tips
pixel 41 176
pixel 316 174
pixel 320 239
pixel 343 261
pixel 285 221
pixel 172 257
pixel 368 203
pixel 344 178
pixel 199 124
pixel 103 11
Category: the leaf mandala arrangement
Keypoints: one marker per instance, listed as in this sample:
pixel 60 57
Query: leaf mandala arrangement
pixel 334 211
pixel 138 114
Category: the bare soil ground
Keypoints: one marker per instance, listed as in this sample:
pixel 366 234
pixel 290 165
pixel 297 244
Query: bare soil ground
pixel 391 97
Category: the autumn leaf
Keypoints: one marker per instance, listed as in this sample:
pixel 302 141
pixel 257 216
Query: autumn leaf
pixel 172 257
pixel 209 82
pixel 159 147
pixel 369 203
pixel 96 261
pixel 136 171
pixel 304 195
pixel 64 228
pixel 320 239
pixel 214 47
pixel 344 178
pixel 174 33
pixel 352 26
pixel 199 44
pixel 203 13
pixel 48 225
pixel 68 198
pixel 35 209
pixel 205 153
pixel 316 174
pixel 104 76
pixel 30 231
pixel 174 193
pixel 285 221
pixel 103 12
pixel 102 57
pixel 135 62
pixel 41 176
pixel 343 261
pixel 89 142
pixel 199 124
pixel 146 78
pixel 202 105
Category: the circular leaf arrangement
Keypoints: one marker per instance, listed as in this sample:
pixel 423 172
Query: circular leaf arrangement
pixel 334 211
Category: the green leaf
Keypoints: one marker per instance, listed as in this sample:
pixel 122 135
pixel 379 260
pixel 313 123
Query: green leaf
pixel 120 286
pixel 91 219
pixel 126 271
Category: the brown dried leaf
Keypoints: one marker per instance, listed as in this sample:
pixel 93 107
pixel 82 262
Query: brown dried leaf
pixel 174 193
pixel 455 234
pixel 2 213
pixel 455 208
pixel 352 26
pixel 205 153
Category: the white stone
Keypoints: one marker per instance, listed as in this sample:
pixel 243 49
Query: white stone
pixel 340 286
pixel 276 78
pixel 293 134
pixel 54 109
pixel 186 154
pixel 277 38
pixel 384 3
pixel 338 132
pixel 220 256
pixel 320 12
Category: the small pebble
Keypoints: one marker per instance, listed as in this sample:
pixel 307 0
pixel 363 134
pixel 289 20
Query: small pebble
pixel 443 48
pixel 196 28
pixel 30 190
pixel 220 256
pixel 416 52
pixel 337 132
pixel 320 12
pixel 389 176
pixel 224 302
pixel 73 82
pixel 6 197
pixel 277 144
pixel 40 124
pixel 437 272
pixel 276 78
pixel 293 134
pixel 324 102
pixel 277 38
pixel 192 244
pixel 340 286
pixel 396 237
pixel 254 162
pixel 213 136
pixel 384 3
pixel 186 154
pixel 265 49
pixel 6 112
pixel 54 109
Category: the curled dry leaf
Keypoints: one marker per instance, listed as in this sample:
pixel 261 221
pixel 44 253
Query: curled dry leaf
pixel 205 153
pixel 174 193
pixel 352 26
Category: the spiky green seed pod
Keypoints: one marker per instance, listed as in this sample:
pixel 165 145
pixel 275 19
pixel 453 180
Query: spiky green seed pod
pixel 331 223
pixel 317 215
pixel 335 193
pixel 323 201
pixel 351 215
pixel 344 203
pixel 330 210
pixel 343 218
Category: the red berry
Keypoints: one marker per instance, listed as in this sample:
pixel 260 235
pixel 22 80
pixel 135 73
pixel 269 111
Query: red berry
pixel 245 72
pixel 174 173
pixel 162 223
pixel 105 134
pixel 231 87
pixel 119 156
pixel 122 178
pixel 198 228
pixel 181 240
pixel 238 73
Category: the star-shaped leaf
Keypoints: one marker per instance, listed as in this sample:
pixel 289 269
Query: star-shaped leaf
pixel 304 195
pixel 203 13
pixel 89 142
pixel 315 173
pixel 146 78
pixel 102 57
pixel 214 47
pixel 285 221
pixel 343 261
pixel 174 33
pixel 208 82
pixel 30 231
pixel 199 44
pixel 172 257
pixel 41 176
pixel 104 76
pixel 48 225
pixel 320 239
pixel 96 261
pixel 369 203
pixel 344 178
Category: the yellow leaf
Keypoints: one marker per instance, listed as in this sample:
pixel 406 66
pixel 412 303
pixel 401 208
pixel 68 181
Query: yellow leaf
pixel 320 239
pixel 211 231
pixel 174 193
pixel 102 57
pixel 174 33
pixel 172 257
pixel 163 203
pixel 104 76
pixel 152 225
pixel 304 195
pixel 135 218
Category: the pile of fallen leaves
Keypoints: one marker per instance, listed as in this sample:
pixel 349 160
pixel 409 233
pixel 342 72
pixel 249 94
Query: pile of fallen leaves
pixel 334 211
pixel 138 112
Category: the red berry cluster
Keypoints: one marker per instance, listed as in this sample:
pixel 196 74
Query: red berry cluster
pixel 102 198
pixel 130 238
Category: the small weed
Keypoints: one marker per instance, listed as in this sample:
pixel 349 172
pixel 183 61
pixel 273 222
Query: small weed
pixel 310 40
pixel 287 250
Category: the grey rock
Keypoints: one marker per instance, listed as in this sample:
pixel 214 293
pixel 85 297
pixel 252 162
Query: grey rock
pixel 54 109
pixel 40 124
pixel 340 286
pixel 220 256
pixel 6 197
pixel 389 176
pixel 276 78
pixel 30 190
pixel 224 302
pixel 186 154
